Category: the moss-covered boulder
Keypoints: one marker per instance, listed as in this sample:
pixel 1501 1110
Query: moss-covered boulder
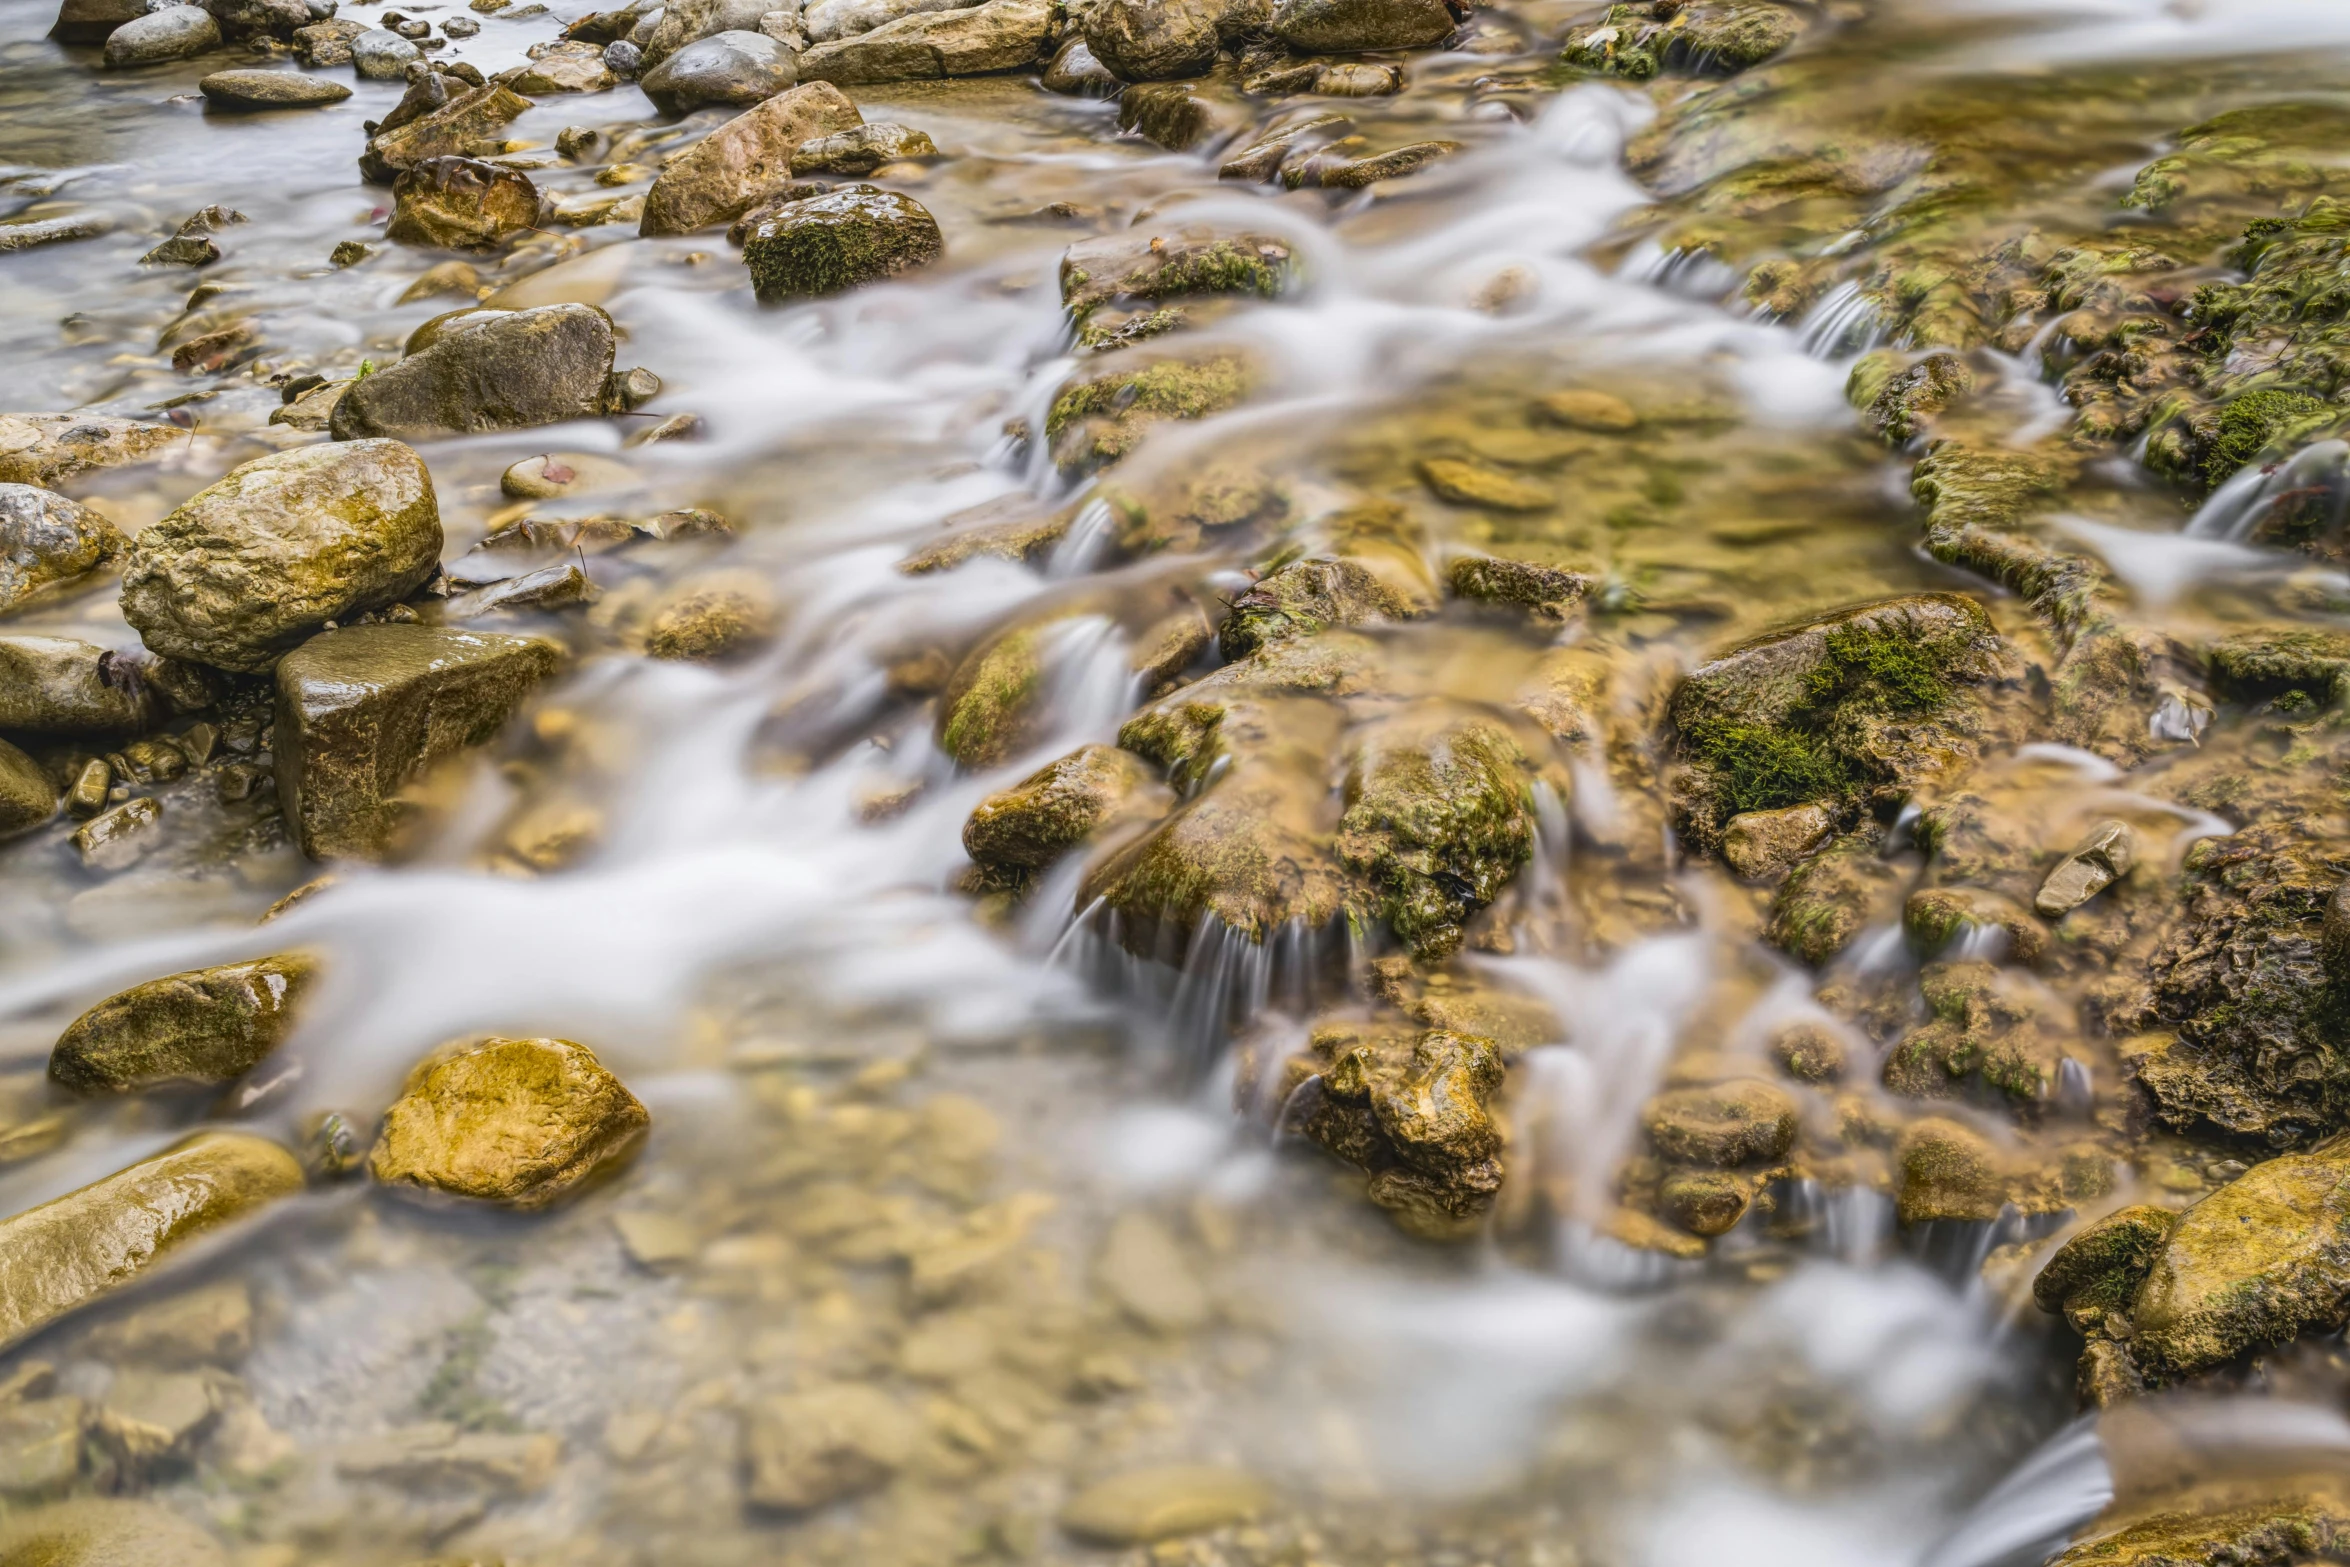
pixel 830 244
pixel 361 712
pixel 1308 597
pixel 1744 1121
pixel 453 129
pixel 1972 922
pixel 1944 1169
pixel 461 204
pixel 1060 805
pixel 989 711
pixel 252 565
pixel 718 178
pixel 2258 1262
pixel 1827 899
pixel 1097 419
pixel 2099 1269
pixel 2285 1532
pixel 1547 593
pixel 206 1026
pixel 1172 264
pixel 1853 709
pixel 1252 854
pixel 1240 706
pixel 1985 1034
pixel 1900 405
pixel 1435 827
pixel 46 542
pixel 487 370
pixel 27 796
pixel 1640 40
pixel 71 1251
pixel 519 1122
pixel 2299 662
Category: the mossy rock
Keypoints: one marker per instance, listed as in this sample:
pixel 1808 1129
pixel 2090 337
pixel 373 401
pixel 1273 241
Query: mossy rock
pixel 1899 407
pixel 1827 899
pixel 1411 1108
pixel 1060 805
pixel 1983 1034
pixel 1946 1170
pixel 1186 732
pixel 204 1027
pixel 2100 1268
pixel 2274 662
pixel 831 244
pixel 1307 597
pixel 1855 708
pixel 1248 854
pixel 989 711
pixel 518 1122
pixel 2287 1532
pixel 97 1531
pixel 1639 41
pixel 1182 263
pixel 1096 420
pixel 1436 828
pixel 1722 1125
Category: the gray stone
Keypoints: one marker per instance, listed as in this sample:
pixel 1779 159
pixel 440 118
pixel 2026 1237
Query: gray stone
pixel 1002 35
pixel 736 69
pixel 832 19
pixel 494 370
pixel 1347 26
pixel 46 541
pixel 252 565
pixel 49 448
pixel 685 21
pixel 269 90
pixel 241 19
pixel 173 33
pixel 382 55
pixel 860 151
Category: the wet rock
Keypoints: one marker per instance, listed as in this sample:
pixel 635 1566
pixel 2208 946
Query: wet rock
pixel 1546 592
pixel 85 797
pixel 253 19
pixel 556 474
pixel 40 1447
pixel 2104 858
pixel 2097 1272
pixel 1986 1030
pixel 1828 898
pixel 174 33
pixel 56 685
pixel 1436 828
pixel 1000 35
pixel 1246 855
pixel 1306 597
pixel 209 1325
pixel 260 560
pixel 1582 409
pixel 1171 265
pixel 1073 70
pixel 1704 1202
pixel 550 587
pixel 192 246
pixel 120 837
pixel 2261 1260
pixel 106 1531
pixel 1170 114
pixel 1349 26
pixel 151 1420
pixel 1096 420
pixel 1060 805
pixel 363 711
pixel 1143 1269
pixel 1344 165
pixel 2271 664
pixel 454 129
pixel 1740 1122
pixel 206 1026
pixel 830 244
pixel 269 90
pixel 1474 484
pixel 380 55
pixel 1761 844
pixel 521 1122
pixel 1945 1170
pixel 561 68
pixel 71 1251
pixel 27 797
pixel 719 177
pixel 1639 40
pixel 1859 706
pixel 828 20
pixel 496 370
pixel 624 59
pixel 1809 1052
pixel 1150 41
pixel 89 21
pixel 683 22
pixel 862 150
pixel 1908 399
pixel 1164 1503
pixel 2290 1530
pixel 1972 922
pixel 46 449
pixel 326 43
pixel 987 710
pixel 713 623
pixel 461 204
pixel 737 69
pixel 823 1445
pixel 47 541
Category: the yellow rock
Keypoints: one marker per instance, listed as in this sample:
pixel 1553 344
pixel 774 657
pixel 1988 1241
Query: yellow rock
pixel 69 1252
pixel 515 1121
pixel 106 1532
pixel 1164 1503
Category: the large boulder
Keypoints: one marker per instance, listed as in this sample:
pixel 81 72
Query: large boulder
pixel 683 22
pixel 64 686
pixel 829 244
pixel 362 711
pixel 520 1122
pixel 828 20
pixel 489 370
pixel 71 1251
pixel 461 204
pixel 205 1027
pixel 1002 35
pixel 1349 26
pixel 2279 1532
pixel 718 178
pixel 47 540
pixel 251 566
pixel 49 448
pixel 736 69
pixel 174 33
pixel 90 21
pixel 27 797
pixel 1098 417
pixel 455 129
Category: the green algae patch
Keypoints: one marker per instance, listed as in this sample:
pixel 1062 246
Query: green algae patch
pixel 1095 421
pixel 987 713
pixel 1436 829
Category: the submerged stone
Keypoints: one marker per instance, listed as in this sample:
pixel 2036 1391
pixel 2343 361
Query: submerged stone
pixel 71 1251
pixel 1546 592
pixel 1946 1170
pixel 363 711
pixel 206 1026
pixel 830 244
pixel 1170 265
pixel 1307 597
pixel 1164 1503
pixel 718 178
pixel 2106 857
pixel 521 1122
pixel 825 1444
pixel 252 565
pixel 490 370
pixel 47 541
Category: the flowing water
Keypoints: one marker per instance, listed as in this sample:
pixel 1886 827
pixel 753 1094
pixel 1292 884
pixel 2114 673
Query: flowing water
pixel 1036 1187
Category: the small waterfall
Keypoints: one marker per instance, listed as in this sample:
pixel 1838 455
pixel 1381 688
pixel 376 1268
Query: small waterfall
pixel 1082 547
pixel 1843 322
pixel 2305 492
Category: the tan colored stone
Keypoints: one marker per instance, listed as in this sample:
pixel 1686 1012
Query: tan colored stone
pixel 717 179
pixel 1164 1503
pixel 523 1122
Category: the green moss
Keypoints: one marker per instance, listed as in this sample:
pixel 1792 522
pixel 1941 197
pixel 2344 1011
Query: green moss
pixel 986 709
pixel 2100 1268
pixel 1762 768
pixel 1436 830
pixel 1870 667
pixel 1097 421
pixel 1224 267
pixel 829 244
pixel 2248 425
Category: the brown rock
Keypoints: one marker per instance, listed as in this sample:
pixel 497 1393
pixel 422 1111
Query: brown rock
pixel 718 178
pixel 521 1122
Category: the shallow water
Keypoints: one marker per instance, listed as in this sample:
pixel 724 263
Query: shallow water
pixel 982 1159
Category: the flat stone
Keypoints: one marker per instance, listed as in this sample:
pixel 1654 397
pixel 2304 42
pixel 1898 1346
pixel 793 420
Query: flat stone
pixel 487 370
pixel 173 33
pixel 826 1444
pixel 1145 1271
pixel 434 1455
pixel 520 1122
pixel 259 561
pixel 452 130
pixel 40 1447
pixel 1741 1122
pixel 69 1252
pixel 1581 409
pixel 269 90
pixel 717 179
pixel 554 474
pixel 149 1418
pixel 569 67
pixel 550 587
pixel 2103 859
pixel 204 1027
pixel 828 20
pixel 1164 1503
pixel 1002 35
pixel 363 711
pixel 121 837
pixel 209 1325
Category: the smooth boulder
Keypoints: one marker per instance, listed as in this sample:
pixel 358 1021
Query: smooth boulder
pixel 204 1027
pixel 490 370
pixel 683 22
pixel 173 33
pixel 362 711
pixel 737 69
pixel 718 178
pixel 269 90
pixel 519 1122
pixel 259 561
pixel 829 244
pixel 64 686
pixel 1349 26
pixel 46 541
pixel 71 1251
pixel 1002 35
pixel 461 204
